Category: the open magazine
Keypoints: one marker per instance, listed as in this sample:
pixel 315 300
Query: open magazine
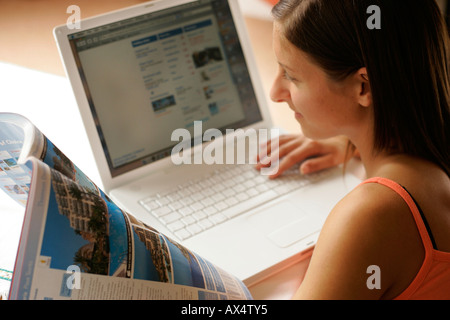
pixel 77 244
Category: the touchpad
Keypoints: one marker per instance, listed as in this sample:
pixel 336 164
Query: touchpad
pixel 284 223
pixel 294 232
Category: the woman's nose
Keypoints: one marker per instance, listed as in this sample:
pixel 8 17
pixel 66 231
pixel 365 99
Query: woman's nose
pixel 278 93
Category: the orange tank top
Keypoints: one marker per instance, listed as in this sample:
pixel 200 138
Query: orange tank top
pixel 432 282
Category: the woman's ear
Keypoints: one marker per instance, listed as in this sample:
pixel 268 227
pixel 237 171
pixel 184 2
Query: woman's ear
pixel 364 89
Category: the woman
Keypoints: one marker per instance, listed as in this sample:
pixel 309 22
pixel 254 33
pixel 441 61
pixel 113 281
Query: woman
pixel 387 92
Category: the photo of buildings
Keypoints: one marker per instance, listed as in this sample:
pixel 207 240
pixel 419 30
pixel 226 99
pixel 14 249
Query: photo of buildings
pixel 88 217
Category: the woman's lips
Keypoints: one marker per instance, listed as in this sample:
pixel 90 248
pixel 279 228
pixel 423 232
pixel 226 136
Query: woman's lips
pixel 297 115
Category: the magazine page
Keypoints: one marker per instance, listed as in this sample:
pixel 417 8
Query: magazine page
pixel 19 140
pixel 16 134
pixel 76 244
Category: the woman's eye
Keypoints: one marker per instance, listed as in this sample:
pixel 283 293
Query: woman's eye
pixel 287 76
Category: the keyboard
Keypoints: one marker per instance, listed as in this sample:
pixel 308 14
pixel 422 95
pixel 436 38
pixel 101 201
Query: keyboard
pixel 201 204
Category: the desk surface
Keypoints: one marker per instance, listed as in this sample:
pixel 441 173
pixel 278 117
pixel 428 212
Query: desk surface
pixel 27 41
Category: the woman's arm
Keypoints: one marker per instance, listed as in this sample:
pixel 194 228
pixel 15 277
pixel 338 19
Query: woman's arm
pixel 370 227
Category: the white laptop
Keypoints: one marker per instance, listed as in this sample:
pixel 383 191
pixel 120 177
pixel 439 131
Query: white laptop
pixel 143 72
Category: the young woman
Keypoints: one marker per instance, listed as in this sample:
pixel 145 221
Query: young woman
pixel 387 92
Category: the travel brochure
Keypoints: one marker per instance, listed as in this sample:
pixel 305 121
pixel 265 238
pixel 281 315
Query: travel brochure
pixel 77 244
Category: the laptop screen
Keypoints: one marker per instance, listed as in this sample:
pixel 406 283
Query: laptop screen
pixel 147 76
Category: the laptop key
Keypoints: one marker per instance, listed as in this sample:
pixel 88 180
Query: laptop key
pixel 160 212
pixel 175 226
pixel 188 220
pixel 205 224
pixel 171 217
pixel 217 218
pixel 200 215
pixel 194 229
pixel 183 234
pixel 150 205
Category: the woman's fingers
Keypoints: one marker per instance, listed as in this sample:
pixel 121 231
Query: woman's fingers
pixel 294 149
pixel 266 148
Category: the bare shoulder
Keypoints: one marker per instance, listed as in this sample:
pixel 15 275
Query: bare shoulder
pixel 371 226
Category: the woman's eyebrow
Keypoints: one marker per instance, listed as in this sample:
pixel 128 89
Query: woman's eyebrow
pixel 285 66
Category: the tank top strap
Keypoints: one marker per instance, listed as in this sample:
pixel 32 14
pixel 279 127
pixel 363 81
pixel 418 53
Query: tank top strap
pixel 406 196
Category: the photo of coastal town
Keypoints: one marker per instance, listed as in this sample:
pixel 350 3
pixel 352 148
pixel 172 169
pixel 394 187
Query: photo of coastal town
pixel 86 229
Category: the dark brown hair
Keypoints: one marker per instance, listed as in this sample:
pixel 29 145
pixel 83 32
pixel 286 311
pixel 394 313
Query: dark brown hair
pixel 407 62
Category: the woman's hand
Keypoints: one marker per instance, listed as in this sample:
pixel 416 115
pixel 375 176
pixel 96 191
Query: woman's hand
pixel 314 155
